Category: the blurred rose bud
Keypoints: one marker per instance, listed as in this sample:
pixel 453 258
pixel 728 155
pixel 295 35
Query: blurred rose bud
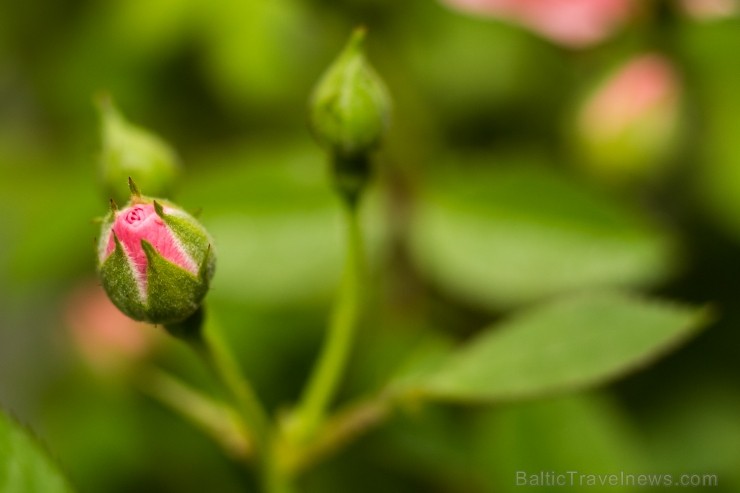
pixel 573 23
pixel 105 338
pixel 628 126
pixel 155 260
pixel 350 106
pixel 709 9
pixel 131 151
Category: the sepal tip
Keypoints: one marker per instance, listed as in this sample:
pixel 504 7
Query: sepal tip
pixel 203 269
pixel 135 192
pixel 158 209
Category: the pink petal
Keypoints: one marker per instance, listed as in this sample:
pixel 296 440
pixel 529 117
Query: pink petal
pixel 140 222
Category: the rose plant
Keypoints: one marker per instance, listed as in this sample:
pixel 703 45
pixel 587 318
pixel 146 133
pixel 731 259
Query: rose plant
pixel 156 263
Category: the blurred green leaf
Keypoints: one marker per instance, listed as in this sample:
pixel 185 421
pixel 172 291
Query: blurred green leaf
pixel 395 350
pixel 426 357
pixel 583 432
pixel 26 200
pixel 148 29
pixel 276 224
pixel 711 56
pixel 24 468
pixel 431 444
pixel 562 345
pixel 697 429
pixel 469 66
pixel 255 50
pixel 481 449
pixel 502 237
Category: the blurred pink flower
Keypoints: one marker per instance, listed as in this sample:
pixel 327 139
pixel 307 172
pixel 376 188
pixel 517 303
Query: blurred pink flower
pixel 629 125
pixel 642 86
pixel 710 9
pixel 106 339
pixel 574 23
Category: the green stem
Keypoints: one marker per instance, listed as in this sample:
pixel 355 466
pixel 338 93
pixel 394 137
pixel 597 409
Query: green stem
pixel 215 418
pixel 325 380
pixel 217 355
pixel 277 479
pixel 339 430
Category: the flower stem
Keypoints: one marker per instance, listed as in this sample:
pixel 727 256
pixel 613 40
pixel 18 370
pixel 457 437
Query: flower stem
pixel 219 358
pixel 327 375
pixel 277 479
pixel 340 429
pixel 215 418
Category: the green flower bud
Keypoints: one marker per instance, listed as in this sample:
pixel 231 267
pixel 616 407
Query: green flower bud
pixel 155 260
pixel 350 106
pixel 131 151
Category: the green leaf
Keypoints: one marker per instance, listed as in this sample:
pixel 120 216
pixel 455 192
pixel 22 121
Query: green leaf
pixel 501 237
pixel 24 468
pixel 567 344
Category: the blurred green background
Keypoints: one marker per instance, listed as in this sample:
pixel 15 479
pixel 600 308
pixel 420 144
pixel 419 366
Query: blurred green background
pixel 485 200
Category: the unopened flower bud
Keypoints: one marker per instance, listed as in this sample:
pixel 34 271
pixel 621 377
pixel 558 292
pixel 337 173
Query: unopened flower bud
pixel 628 127
pixel 155 260
pixel 350 106
pixel 131 151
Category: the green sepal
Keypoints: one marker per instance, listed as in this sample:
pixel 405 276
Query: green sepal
pixel 173 293
pixel 192 236
pixel 158 209
pixel 106 223
pixel 206 267
pixel 120 283
pixel 135 192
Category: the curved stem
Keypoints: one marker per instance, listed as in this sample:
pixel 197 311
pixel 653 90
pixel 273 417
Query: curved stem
pixel 327 375
pixel 215 418
pixel 217 355
pixel 340 429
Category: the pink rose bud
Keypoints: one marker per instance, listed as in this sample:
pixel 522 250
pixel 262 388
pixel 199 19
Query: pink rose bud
pixel 629 124
pixel 573 23
pixel 155 260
